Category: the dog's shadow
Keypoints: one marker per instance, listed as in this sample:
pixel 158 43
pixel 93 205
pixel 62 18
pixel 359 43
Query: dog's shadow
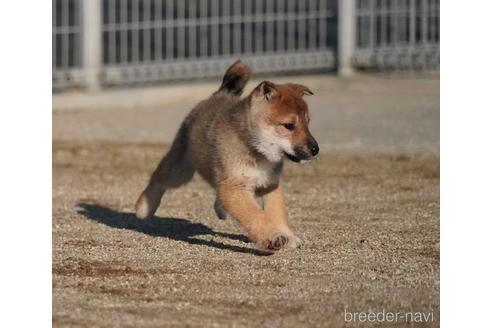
pixel 171 228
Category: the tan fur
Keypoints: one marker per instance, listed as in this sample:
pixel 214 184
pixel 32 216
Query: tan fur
pixel 238 146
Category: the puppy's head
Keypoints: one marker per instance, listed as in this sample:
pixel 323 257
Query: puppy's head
pixel 280 120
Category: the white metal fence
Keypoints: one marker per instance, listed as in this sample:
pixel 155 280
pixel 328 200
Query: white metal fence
pixel 157 40
pixel 113 42
pixel 397 34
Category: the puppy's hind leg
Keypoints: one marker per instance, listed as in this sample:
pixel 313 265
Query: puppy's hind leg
pixel 174 170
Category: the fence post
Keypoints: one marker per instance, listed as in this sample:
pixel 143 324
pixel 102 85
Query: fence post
pixel 92 43
pixel 346 36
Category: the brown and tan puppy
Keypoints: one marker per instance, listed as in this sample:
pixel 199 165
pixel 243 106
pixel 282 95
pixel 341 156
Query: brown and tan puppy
pixel 238 146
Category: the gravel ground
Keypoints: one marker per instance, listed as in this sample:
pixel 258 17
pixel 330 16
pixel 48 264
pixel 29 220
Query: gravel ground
pixel 368 212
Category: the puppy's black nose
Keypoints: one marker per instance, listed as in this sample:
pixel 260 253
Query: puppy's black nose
pixel 314 149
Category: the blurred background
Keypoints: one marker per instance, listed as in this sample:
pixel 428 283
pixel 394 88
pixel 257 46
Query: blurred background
pixel 153 60
pixel 101 43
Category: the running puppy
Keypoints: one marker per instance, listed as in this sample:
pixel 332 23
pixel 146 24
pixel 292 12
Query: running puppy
pixel 238 146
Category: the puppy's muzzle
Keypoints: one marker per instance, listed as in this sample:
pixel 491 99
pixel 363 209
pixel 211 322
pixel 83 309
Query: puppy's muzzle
pixel 304 153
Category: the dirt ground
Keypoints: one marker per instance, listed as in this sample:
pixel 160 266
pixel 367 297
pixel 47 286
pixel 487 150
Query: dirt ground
pixel 369 217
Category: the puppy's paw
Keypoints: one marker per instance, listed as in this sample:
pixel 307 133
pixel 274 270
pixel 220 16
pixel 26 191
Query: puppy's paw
pixel 275 242
pixel 143 209
pixel 294 242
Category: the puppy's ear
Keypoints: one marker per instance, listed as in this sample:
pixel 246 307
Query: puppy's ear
pixel 266 90
pixel 305 91
pixel 301 90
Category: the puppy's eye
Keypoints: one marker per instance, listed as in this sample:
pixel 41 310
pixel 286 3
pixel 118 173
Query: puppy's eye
pixel 289 126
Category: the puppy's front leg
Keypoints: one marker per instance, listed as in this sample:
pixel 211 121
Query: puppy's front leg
pixel 240 203
pixel 275 211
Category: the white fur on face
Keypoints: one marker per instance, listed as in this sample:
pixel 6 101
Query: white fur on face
pixel 270 144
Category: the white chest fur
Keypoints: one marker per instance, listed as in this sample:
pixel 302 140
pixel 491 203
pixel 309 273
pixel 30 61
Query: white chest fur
pixel 261 174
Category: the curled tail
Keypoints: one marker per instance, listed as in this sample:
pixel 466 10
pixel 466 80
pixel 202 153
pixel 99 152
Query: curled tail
pixel 235 78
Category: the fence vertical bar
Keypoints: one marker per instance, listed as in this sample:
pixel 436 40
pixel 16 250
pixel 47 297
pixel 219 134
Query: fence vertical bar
pixel 431 20
pixel 171 23
pixel 92 43
pixel 291 25
pixel 203 27
pixel 124 31
pixel 135 47
pixel 413 21
pixel 181 27
pixel 111 32
pixel 226 27
pixel 346 36
pixel 269 27
pixel 279 39
pixel 158 30
pixel 372 24
pixel 384 14
pixel 393 12
pixel 77 25
pixel 192 28
pixel 237 18
pixel 248 29
pixel 322 25
pixel 306 25
pixel 424 16
pixel 147 31
pixel 54 35
pixel 312 35
pixel 65 35
pixel 214 28
pixel 257 27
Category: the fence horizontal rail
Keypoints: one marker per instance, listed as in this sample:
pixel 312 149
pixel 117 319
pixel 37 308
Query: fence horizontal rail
pixel 190 22
pixel 211 67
